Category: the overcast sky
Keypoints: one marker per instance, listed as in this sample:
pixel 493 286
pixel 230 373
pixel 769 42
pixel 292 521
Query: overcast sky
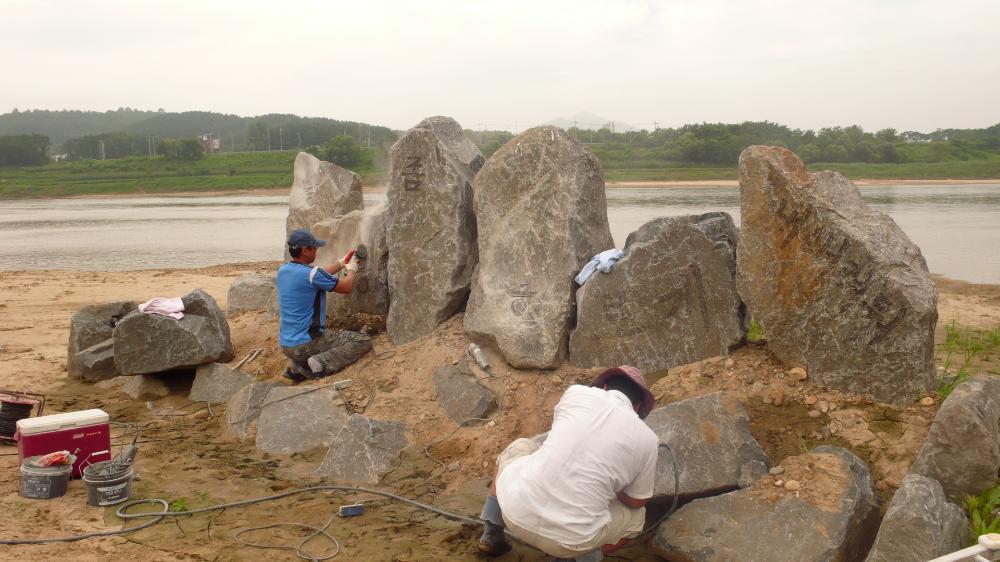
pixel 908 64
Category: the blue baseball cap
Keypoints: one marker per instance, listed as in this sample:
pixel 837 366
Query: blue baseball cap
pixel 302 238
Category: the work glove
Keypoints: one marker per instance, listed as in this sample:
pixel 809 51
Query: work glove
pixel 347 258
pixel 352 265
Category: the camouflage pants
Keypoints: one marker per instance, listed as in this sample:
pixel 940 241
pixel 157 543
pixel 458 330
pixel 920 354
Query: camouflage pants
pixel 335 349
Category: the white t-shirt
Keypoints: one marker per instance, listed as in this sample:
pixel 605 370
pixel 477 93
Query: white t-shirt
pixel 597 447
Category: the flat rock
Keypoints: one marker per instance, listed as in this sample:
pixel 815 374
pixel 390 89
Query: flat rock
pixel 144 387
pixel 90 326
pixel 542 215
pixel 151 343
pixel 460 395
pixel 962 448
pixel 244 407
pixel 715 451
pixel 217 383
pixel 299 418
pixel 766 522
pixel 320 190
pixel 431 227
pixel 363 451
pixel 920 524
pixel 97 362
pixel 371 284
pixel 670 300
pixel 249 293
pixel 837 286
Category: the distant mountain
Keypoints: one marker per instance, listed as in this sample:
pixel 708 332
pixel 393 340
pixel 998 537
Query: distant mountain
pixel 591 122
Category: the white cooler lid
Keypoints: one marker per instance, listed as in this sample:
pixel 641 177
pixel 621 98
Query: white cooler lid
pixel 57 422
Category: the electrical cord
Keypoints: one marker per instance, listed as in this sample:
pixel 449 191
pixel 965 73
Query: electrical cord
pixel 673 505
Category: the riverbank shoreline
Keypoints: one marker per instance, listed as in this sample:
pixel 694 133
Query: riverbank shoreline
pixel 273 191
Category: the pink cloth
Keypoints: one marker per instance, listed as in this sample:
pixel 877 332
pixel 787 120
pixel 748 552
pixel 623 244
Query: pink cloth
pixel 173 308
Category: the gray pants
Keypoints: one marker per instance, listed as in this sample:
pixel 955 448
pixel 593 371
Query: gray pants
pixel 335 349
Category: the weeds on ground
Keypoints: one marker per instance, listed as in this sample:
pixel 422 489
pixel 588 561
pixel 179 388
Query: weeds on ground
pixel 983 511
pixel 180 504
pixel 755 332
pixel 964 345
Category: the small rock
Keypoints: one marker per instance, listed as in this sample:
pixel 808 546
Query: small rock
pixel 556 380
pixel 142 387
pixel 809 401
pixel 927 401
pixel 823 406
pixel 825 432
pixel 793 485
pixel 779 483
pixel 201 415
pixel 730 363
pixel 777 395
pixel 776 470
pixel 454 466
pixel 815 413
pixel 798 374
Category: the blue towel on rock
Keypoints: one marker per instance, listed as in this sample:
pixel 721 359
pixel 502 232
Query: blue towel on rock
pixel 602 262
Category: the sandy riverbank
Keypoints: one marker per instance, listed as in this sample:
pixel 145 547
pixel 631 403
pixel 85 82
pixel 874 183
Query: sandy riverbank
pixel 190 458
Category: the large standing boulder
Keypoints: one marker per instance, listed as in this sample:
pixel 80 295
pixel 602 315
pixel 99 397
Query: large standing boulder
pixel 920 524
pixel 244 407
pixel 90 326
pixel 151 343
pixel 837 286
pixel 832 515
pixel 962 448
pixel 670 300
pixel 461 396
pixel 371 284
pixel 250 292
pixel 541 215
pixel 710 436
pixel 294 419
pixel 320 190
pixel 363 451
pixel 431 226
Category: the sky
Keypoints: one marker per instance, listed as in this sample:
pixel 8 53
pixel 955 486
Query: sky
pixel 511 64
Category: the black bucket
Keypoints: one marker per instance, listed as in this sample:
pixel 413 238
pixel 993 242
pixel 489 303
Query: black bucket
pixel 46 482
pixel 107 489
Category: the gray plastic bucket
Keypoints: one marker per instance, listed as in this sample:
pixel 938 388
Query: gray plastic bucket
pixel 44 483
pixel 107 489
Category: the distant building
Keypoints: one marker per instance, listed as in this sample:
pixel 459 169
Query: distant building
pixel 210 142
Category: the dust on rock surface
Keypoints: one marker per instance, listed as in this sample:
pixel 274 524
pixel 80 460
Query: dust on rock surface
pixel 189 460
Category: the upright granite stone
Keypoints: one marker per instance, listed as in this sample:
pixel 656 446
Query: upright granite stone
pixel 321 190
pixel 541 215
pixel 920 524
pixel 371 283
pixel 832 517
pixel 97 362
pixel 670 300
pixel 90 326
pixel 294 419
pixel 144 387
pixel 363 451
pixel 461 396
pixel 217 383
pixel 151 343
pixel 249 293
pixel 962 448
pixel 244 407
pixel 431 227
pixel 837 286
pixel 710 436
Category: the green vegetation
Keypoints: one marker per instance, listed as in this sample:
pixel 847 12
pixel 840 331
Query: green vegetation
pixel 756 331
pixel 214 172
pixel 963 346
pixel 23 150
pixel 180 504
pixel 342 150
pixel 181 149
pixel 984 512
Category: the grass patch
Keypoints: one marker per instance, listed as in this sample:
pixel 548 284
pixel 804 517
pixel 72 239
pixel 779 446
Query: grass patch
pixel 984 512
pixel 962 347
pixel 755 332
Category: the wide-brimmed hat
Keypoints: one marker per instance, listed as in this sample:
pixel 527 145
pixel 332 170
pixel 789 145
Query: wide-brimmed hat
pixel 302 238
pixel 635 375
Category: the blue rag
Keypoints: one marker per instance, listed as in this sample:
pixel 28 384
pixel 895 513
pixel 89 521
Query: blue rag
pixel 602 262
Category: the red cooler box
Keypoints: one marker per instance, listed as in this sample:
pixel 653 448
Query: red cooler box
pixel 87 431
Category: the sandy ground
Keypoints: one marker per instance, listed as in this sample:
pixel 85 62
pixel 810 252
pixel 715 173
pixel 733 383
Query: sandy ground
pixel 189 459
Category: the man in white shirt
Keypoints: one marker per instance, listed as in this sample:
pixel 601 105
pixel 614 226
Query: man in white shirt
pixel 581 493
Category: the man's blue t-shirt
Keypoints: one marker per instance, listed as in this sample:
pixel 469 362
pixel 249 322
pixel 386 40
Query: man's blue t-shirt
pixel 302 302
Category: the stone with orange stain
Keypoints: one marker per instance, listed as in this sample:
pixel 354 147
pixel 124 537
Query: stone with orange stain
pixel 837 286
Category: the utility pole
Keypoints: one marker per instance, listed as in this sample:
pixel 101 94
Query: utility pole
pixel 300 140
pixel 149 143
pixel 656 126
pixel 269 139
pixel 281 139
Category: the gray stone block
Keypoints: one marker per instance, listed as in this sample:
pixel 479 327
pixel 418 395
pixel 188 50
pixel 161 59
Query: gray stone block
pixel 460 395
pixel 837 286
pixel 89 326
pixel 251 292
pixel 97 362
pixel 363 451
pixel 320 190
pixel 216 383
pixel 299 418
pixel 244 407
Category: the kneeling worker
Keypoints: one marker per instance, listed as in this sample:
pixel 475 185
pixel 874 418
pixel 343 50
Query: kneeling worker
pixel 582 493
pixel 312 351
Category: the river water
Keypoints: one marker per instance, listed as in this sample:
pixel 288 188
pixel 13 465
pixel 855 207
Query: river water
pixel 956 226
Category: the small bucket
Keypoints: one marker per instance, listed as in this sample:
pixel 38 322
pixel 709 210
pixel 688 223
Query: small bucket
pixel 44 483
pixel 107 489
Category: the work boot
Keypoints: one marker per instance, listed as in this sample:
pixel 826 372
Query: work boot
pixel 316 365
pixel 493 542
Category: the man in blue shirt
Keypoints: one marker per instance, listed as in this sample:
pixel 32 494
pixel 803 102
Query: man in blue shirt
pixel 312 351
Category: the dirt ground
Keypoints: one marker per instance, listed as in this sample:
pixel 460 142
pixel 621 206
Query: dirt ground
pixel 190 460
